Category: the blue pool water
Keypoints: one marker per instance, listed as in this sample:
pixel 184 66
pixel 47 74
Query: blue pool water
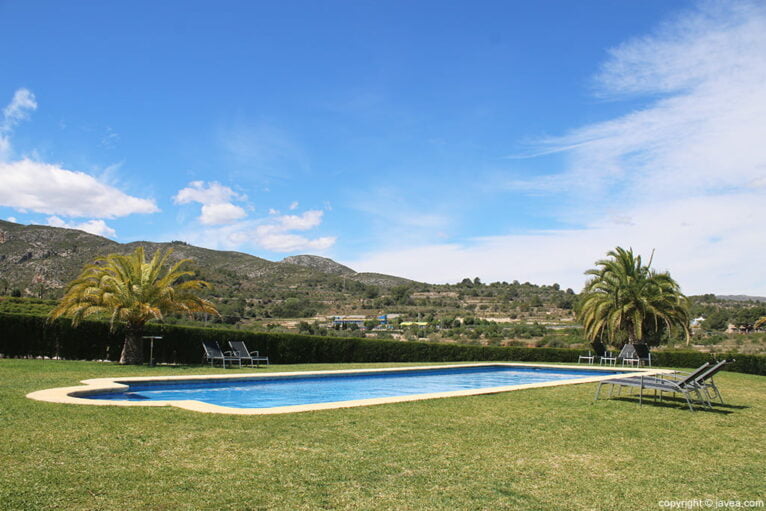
pixel 267 392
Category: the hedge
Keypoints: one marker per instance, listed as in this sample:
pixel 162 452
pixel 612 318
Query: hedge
pixel 30 336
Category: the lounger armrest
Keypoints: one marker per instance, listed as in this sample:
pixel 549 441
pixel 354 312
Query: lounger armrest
pixel 670 376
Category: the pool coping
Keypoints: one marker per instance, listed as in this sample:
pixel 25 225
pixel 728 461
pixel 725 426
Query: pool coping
pixel 71 395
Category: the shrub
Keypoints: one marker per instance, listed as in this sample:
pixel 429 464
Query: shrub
pixel 30 336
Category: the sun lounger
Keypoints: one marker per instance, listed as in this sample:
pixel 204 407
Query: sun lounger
pixel 628 355
pixel 706 382
pixel 635 354
pixel 213 352
pixel 643 354
pixel 239 350
pixel 694 383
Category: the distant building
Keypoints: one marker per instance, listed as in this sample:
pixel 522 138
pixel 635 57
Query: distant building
pixel 696 322
pixel 385 318
pixel 349 320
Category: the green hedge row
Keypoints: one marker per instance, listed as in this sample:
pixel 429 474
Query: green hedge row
pixel 30 336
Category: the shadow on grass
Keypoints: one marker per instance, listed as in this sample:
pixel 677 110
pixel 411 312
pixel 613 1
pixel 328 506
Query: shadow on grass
pixel 675 402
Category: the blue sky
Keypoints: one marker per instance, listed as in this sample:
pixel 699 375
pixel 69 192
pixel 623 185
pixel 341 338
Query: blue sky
pixel 433 140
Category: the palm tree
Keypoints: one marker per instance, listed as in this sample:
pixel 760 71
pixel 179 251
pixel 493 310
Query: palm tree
pixel 130 289
pixel 625 300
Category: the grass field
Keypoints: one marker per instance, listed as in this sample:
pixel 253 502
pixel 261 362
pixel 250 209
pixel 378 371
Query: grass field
pixel 547 449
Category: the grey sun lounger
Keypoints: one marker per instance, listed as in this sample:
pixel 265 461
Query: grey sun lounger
pixel 239 350
pixel 706 382
pixel 704 378
pixel 213 352
pixel 692 384
pixel 643 354
pixel 635 354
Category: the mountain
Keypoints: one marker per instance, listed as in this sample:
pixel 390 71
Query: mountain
pixel 322 264
pixel 741 298
pixel 326 265
pixel 39 259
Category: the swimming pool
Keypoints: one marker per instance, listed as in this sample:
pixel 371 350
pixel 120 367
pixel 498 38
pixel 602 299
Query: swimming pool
pixel 302 391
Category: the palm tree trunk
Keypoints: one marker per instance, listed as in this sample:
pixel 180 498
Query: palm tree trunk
pixel 133 349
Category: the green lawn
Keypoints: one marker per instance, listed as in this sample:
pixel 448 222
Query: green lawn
pixel 548 448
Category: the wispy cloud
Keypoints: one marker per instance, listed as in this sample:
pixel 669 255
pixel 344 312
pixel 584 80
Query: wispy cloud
pixel 681 174
pixel 17 110
pixel 399 216
pixel 263 150
pixel 110 138
pixel 703 131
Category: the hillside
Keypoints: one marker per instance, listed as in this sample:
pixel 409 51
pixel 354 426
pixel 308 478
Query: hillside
pixel 742 298
pixel 38 261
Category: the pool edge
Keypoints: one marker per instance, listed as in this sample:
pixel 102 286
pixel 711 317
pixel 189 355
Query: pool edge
pixel 70 395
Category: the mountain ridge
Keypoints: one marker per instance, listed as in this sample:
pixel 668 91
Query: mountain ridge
pixel 322 264
pixel 53 256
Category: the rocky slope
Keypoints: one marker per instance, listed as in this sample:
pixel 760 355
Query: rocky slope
pixel 318 263
pixel 39 259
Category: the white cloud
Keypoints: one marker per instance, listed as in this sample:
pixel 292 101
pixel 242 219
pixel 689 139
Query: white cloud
pixel 97 227
pixel 294 205
pixel 29 185
pixel 217 208
pixel 706 243
pixel 276 234
pixel 304 222
pixel 12 219
pixel 684 174
pixel 212 193
pixel 285 242
pixel 16 111
pixel 50 189
pixel 217 214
